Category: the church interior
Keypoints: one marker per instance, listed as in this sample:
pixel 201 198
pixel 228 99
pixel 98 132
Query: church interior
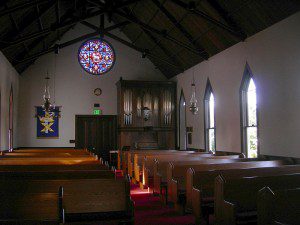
pixel 149 112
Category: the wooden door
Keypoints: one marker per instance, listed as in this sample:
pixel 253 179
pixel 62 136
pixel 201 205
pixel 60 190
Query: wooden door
pixel 96 133
pixel 107 135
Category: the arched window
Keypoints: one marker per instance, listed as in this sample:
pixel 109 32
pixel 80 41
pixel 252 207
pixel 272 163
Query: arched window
pixel 182 122
pixel 209 118
pixel 249 122
pixel 10 121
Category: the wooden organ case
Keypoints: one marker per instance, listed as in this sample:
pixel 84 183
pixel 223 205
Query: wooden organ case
pixel 146 114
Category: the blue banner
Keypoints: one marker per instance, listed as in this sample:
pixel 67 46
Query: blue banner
pixel 47 123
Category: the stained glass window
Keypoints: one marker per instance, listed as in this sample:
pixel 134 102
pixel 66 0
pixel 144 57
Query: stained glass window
pixel 96 56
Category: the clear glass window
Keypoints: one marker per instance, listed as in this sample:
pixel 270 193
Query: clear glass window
pixel 249 102
pixel 210 120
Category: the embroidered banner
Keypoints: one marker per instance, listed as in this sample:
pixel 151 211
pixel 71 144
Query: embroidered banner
pixel 47 123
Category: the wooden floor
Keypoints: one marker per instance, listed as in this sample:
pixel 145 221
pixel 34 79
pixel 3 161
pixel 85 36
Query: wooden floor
pixel 61 186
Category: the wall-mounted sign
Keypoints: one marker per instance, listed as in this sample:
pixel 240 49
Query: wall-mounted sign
pixel 97 111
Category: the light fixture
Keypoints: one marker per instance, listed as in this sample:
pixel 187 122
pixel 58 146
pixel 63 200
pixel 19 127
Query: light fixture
pixel 193 102
pixel 47 106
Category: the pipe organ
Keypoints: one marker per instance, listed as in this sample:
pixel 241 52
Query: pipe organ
pixel 147 114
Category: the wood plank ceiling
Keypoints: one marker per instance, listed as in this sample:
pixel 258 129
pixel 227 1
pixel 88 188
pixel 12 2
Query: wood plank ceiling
pixel 174 34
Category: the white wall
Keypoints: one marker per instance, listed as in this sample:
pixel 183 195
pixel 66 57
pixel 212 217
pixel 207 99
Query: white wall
pixel 8 77
pixel 274 58
pixel 74 87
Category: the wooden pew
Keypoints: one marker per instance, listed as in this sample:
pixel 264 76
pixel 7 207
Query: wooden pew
pixel 149 162
pixel 181 175
pixel 236 197
pixel 146 163
pixel 60 174
pixel 278 206
pixel 125 158
pixel 161 165
pixel 29 208
pixel 48 161
pixel 200 184
pixel 51 150
pixel 84 199
pixel 88 183
pixel 135 167
pixel 177 171
pixel 45 154
pixel 96 166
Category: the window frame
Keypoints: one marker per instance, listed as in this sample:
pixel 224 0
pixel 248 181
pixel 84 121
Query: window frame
pixel 244 114
pixel 207 127
pixel 182 99
pixel 10 119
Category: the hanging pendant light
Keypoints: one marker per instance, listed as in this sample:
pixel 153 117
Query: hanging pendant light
pixel 193 102
pixel 47 106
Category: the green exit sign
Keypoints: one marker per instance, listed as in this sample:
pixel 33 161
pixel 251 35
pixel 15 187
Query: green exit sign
pixel 97 111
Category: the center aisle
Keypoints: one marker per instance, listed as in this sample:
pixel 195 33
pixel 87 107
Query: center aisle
pixel 149 210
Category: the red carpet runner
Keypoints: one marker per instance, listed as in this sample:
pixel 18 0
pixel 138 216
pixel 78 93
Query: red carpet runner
pixel 149 210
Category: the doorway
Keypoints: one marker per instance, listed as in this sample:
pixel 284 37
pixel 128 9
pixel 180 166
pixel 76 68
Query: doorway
pixel 98 134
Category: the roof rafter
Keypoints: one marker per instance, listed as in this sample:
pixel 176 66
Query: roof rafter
pixel 28 21
pixel 65 44
pixel 181 28
pixel 20 7
pixel 225 16
pixel 33 44
pixel 164 49
pixel 158 32
pixel 157 42
pixel 191 7
pixel 54 27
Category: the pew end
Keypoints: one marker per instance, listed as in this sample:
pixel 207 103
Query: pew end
pixel 278 206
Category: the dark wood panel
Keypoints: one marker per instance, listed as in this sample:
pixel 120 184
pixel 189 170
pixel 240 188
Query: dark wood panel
pixel 96 133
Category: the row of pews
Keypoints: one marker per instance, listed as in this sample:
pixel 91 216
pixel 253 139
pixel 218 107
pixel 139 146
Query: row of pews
pixel 61 186
pixel 226 189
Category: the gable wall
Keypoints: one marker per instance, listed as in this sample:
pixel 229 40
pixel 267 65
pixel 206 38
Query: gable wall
pixel 74 87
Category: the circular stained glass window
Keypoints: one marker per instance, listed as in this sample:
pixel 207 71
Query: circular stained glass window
pixel 96 56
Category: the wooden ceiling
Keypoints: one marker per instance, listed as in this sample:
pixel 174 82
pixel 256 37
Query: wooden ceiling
pixel 174 34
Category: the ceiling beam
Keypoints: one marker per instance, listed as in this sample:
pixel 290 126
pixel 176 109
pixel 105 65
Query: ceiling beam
pixel 65 44
pixel 17 29
pixel 42 39
pixel 29 20
pixel 164 49
pixel 54 27
pixel 57 15
pixel 157 42
pixel 145 52
pixel 39 15
pixel 20 7
pixel 162 34
pixel 226 17
pixel 182 29
pixel 192 8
